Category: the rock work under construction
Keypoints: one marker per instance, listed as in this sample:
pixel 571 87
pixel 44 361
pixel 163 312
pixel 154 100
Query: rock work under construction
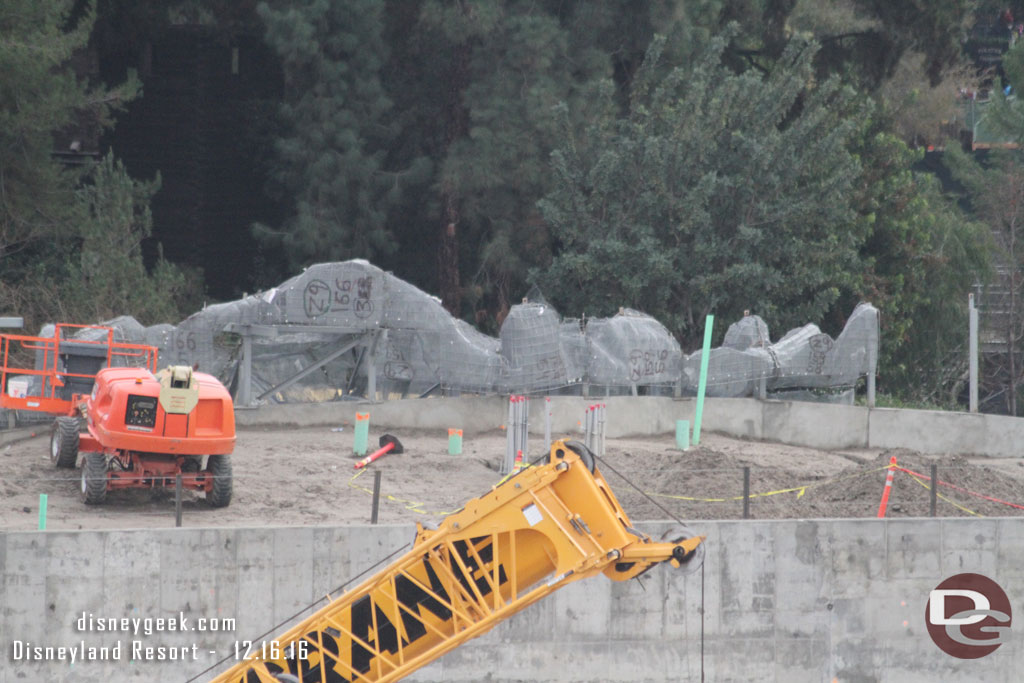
pixel 322 334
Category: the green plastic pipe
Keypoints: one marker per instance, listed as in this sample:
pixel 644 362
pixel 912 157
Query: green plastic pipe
pixel 362 435
pixel 682 434
pixel 42 512
pixel 702 387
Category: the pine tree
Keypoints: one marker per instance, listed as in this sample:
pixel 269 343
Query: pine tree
pixel 106 274
pixel 335 130
pixel 42 93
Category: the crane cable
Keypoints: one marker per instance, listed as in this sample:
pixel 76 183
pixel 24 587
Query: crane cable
pixel 681 523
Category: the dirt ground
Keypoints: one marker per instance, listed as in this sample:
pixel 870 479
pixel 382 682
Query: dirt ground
pixel 306 477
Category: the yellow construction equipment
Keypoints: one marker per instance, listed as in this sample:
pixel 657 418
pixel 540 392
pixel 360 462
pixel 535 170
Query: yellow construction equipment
pixel 543 528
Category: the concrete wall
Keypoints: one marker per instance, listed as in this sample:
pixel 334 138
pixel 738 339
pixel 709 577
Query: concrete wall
pixel 817 425
pixel 784 600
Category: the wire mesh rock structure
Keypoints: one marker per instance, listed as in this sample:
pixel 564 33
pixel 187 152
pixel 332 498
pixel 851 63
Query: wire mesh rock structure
pixel 351 329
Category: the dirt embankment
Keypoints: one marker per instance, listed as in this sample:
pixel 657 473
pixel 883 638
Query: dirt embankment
pixel 306 477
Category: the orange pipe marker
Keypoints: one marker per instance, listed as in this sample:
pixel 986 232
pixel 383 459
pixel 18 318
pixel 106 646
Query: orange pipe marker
pixel 373 456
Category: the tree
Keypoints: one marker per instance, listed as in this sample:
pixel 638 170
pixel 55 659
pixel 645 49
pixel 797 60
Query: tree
pixel 41 95
pixel 717 192
pixel 106 275
pixel 865 40
pixel 921 257
pixel 994 190
pixel 335 130
pixel 514 62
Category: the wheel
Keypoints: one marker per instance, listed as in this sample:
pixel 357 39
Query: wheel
pixel 94 478
pixel 192 463
pixel 64 442
pixel 219 467
pixel 586 455
pixel 691 561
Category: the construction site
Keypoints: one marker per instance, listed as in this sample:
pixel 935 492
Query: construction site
pixel 240 493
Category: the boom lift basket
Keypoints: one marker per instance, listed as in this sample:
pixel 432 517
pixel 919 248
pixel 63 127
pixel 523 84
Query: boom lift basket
pixel 62 367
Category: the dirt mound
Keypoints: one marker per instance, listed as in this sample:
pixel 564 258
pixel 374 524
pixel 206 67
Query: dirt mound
pixel 706 483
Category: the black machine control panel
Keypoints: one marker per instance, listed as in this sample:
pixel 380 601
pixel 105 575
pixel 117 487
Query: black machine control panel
pixel 141 411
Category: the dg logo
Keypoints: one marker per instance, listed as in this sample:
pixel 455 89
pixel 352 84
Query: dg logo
pixel 968 616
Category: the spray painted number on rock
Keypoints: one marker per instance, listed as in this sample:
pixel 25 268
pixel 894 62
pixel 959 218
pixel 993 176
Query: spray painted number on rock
pixel 316 298
pixel 187 342
pixel 551 367
pixel 646 363
pixel 319 297
pixel 820 345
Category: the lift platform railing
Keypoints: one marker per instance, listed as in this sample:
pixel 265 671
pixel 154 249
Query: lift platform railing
pixel 66 366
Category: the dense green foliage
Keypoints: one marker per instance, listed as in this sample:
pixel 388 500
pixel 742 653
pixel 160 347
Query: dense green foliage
pixel 717 192
pixel 69 238
pixel 106 276
pixel 335 130
pixel 762 156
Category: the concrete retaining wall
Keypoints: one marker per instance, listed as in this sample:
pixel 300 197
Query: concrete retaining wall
pixel 784 600
pixel 817 425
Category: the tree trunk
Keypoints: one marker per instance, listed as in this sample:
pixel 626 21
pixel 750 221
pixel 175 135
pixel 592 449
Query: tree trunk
pixel 456 127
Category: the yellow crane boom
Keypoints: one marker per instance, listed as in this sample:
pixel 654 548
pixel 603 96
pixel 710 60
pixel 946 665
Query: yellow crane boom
pixel 540 530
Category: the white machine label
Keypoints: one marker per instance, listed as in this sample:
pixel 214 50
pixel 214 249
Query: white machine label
pixel 532 514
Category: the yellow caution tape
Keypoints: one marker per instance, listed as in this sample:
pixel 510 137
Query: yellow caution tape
pixel 951 502
pixel 410 505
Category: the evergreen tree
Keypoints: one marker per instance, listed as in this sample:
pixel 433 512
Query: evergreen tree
pixel 921 258
pixel 495 168
pixel 42 94
pixel 718 192
pixel 106 275
pixel 335 130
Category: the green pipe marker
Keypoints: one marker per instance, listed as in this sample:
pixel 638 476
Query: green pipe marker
pixel 708 324
pixel 454 442
pixel 362 435
pixel 682 434
pixel 42 512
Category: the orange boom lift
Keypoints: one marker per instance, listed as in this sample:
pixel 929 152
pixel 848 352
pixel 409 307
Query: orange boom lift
pixel 540 530
pixel 142 428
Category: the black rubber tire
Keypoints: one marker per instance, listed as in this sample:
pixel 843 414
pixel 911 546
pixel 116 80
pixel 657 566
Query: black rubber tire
pixel 64 442
pixel 586 455
pixel 94 478
pixel 219 467
pixel 192 463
